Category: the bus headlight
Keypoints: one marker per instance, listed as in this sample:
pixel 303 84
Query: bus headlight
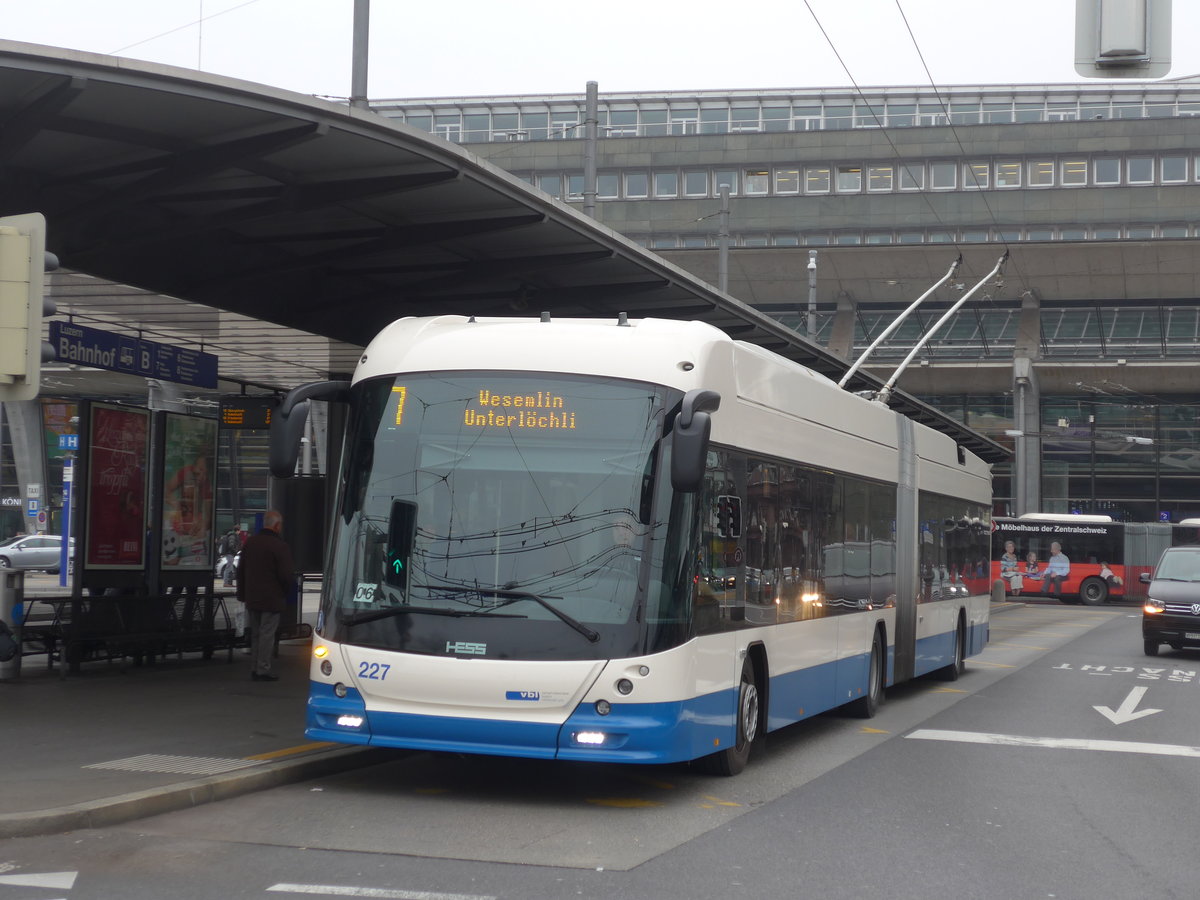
pixel 589 737
pixel 340 690
pixel 326 667
pixel 624 686
pixel 603 707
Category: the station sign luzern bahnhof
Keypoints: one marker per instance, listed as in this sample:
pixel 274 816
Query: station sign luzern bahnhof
pixel 132 355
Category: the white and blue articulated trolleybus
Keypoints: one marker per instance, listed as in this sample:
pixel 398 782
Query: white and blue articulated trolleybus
pixel 627 541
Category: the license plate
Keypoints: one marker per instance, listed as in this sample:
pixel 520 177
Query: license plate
pixel 1192 635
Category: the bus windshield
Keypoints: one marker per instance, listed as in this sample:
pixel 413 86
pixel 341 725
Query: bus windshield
pixel 500 515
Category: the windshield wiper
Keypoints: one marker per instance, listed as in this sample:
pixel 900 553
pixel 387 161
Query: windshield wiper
pixel 514 596
pixel 374 615
pixel 509 597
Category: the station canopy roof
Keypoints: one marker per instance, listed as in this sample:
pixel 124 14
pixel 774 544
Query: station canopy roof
pixel 282 231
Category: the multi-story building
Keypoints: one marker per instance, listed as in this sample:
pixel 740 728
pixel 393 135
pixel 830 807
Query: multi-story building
pixel 1084 355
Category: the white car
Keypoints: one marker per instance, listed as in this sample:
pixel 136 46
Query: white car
pixel 34 551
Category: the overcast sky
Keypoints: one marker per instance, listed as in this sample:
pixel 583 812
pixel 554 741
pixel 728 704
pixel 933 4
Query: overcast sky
pixel 484 47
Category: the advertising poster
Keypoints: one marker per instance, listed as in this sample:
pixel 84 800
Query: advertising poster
pixel 189 469
pixel 118 447
pixel 59 419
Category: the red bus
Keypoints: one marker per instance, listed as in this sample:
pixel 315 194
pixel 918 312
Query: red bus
pixel 1078 558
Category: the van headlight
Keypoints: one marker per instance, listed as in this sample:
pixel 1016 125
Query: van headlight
pixel 1153 606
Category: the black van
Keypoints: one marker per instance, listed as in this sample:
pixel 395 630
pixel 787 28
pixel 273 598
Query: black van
pixel 1171 613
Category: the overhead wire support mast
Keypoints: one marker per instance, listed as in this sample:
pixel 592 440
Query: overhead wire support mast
pixel 886 392
pixel 899 320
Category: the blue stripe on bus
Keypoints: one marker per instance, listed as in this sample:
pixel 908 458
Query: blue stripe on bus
pixel 806 692
pixel 937 650
pixel 633 732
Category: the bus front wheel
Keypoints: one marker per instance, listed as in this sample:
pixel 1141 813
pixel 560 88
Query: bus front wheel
pixel 1093 591
pixel 732 760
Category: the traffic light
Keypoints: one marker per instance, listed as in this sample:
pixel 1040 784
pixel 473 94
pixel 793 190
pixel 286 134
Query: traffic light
pixel 23 264
pixel 729 516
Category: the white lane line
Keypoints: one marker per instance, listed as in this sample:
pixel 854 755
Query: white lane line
pixel 341 890
pixel 64 880
pixel 1016 740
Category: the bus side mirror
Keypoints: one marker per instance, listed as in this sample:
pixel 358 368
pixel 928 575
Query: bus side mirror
pixel 288 418
pixel 689 439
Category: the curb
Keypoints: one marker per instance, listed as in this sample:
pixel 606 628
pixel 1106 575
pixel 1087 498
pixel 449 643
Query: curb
pixel 186 794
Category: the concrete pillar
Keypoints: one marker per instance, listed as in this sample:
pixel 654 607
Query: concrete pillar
pixel 1027 462
pixel 1027 406
pixel 29 450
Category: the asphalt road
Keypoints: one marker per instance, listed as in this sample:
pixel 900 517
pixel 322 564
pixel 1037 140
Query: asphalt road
pixel 1041 773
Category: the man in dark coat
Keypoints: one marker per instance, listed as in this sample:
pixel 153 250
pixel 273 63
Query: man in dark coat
pixel 265 575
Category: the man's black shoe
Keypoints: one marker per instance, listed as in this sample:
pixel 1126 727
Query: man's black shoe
pixel 254 676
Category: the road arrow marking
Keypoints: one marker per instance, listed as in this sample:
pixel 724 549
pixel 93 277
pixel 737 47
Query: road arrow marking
pixel 1125 712
pixel 64 880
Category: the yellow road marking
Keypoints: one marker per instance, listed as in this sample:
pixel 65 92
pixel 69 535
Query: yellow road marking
pixel 868 730
pixel 946 690
pixel 720 802
pixel 292 751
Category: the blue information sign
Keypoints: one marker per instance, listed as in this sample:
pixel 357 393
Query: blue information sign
pixel 134 356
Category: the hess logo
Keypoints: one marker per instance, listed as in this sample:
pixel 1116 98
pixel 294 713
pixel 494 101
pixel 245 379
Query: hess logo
pixel 466 648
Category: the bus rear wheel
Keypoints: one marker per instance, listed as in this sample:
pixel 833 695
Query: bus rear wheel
pixel 1093 591
pixel 732 760
pixel 959 663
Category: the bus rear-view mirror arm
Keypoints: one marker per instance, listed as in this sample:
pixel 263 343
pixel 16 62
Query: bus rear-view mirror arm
pixel 689 449
pixel 289 417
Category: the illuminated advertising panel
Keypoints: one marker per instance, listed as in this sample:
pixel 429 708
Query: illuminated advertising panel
pixel 118 447
pixel 189 468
